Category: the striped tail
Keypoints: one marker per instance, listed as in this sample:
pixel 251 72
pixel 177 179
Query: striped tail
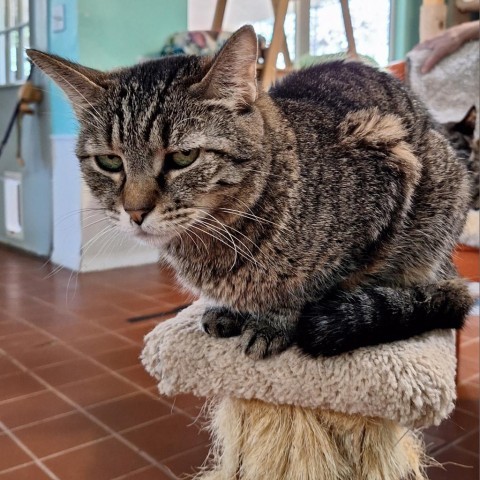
pixel 347 320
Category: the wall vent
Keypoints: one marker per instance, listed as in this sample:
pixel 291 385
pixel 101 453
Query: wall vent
pixel 13 204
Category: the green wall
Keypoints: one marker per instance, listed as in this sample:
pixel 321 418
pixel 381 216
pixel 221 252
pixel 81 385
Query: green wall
pixel 114 33
pixel 106 34
pixel 65 44
pixel 405 27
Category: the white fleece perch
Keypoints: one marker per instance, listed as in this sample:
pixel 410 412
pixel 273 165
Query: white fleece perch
pixel 291 417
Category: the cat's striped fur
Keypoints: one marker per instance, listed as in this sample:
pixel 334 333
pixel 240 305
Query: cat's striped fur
pixel 324 212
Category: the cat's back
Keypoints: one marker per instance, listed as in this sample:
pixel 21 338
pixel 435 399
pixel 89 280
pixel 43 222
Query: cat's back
pixel 362 136
pixel 334 89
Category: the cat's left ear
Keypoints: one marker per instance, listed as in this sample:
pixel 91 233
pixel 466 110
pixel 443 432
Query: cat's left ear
pixel 232 75
pixel 83 86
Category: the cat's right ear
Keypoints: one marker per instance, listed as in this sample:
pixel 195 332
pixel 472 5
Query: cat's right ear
pixel 83 86
pixel 231 78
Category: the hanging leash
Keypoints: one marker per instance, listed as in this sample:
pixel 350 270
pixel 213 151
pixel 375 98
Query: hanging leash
pixel 15 115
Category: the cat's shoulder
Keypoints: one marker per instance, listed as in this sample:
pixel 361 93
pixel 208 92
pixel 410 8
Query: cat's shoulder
pixel 333 74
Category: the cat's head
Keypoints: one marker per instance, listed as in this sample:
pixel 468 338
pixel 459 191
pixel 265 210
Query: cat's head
pixel 170 142
pixel 461 134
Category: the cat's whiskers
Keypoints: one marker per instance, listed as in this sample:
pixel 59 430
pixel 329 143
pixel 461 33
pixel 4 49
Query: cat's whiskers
pixel 55 270
pixel 209 233
pixel 237 231
pixel 246 255
pixel 70 117
pixel 227 237
pixel 238 200
pixel 106 243
pixel 191 238
pixel 250 254
pixel 246 206
pixel 81 211
pixel 179 235
pixel 81 94
pixel 88 225
pixel 250 216
pixel 68 286
pixel 107 231
pixel 96 237
pixel 111 233
pixel 225 227
pixel 230 227
pixel 65 217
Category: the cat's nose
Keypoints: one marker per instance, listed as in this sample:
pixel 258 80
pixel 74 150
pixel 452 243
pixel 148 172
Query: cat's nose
pixel 138 216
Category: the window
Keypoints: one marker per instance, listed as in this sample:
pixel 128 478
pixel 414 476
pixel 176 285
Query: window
pixel 264 27
pixel 326 31
pixel 371 23
pixel 14 39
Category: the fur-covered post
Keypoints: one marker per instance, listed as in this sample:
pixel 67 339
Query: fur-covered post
pixel 254 440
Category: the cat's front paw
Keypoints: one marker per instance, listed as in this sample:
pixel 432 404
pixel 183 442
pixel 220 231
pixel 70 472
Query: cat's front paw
pixel 265 341
pixel 221 322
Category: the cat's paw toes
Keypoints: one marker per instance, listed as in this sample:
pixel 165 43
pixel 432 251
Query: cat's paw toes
pixel 219 324
pixel 263 343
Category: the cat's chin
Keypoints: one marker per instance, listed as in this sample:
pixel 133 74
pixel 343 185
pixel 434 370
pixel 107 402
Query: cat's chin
pixel 157 241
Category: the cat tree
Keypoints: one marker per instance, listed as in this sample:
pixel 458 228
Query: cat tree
pixel 350 417
pixel 268 72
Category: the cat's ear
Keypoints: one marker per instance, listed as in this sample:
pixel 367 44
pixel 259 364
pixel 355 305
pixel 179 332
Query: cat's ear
pixel 467 125
pixel 83 86
pixel 232 75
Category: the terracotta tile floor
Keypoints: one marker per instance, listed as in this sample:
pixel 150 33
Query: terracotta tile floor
pixel 75 402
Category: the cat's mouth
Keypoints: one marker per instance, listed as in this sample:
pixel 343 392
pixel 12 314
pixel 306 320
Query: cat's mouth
pixel 160 230
pixel 154 239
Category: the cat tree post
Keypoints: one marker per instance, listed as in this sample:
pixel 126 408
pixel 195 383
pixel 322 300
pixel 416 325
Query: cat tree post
pixel 291 417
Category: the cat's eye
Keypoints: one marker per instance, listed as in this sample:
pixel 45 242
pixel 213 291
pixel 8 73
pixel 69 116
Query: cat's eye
pixel 109 163
pixel 184 158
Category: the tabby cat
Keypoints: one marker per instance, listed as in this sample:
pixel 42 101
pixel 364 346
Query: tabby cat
pixel 322 213
pixel 461 136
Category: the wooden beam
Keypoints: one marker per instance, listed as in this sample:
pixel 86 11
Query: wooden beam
pixel 278 36
pixel 347 21
pixel 219 15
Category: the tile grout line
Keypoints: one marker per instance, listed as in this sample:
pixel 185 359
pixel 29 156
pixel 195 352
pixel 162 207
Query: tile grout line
pixel 90 443
pixel 88 414
pixel 468 342
pixel 190 450
pixel 17 467
pixel 6 401
pixel 468 379
pixel 124 380
pixel 96 362
pixel 91 406
pixel 140 470
pixel 94 419
pixel 34 458
pixel 70 412
pixel 105 330
pixel 67 345
pixel 455 443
